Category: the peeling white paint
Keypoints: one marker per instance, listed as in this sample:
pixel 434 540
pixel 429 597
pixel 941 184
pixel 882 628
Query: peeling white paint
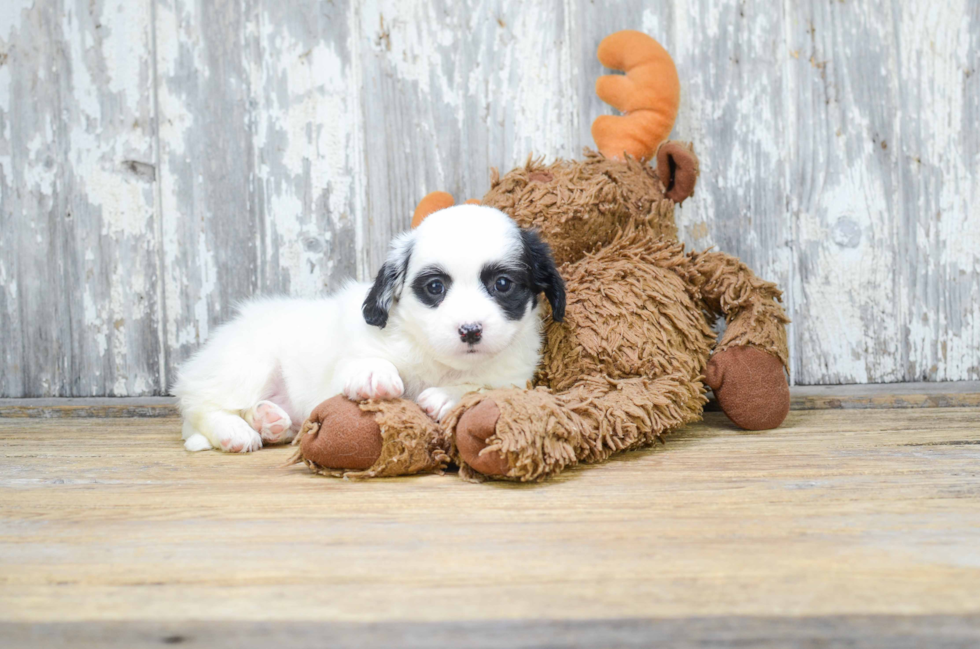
pixel 67 127
pixel 11 15
pixel 95 322
pixel 941 51
pixel 304 147
pixel 837 142
pixel 415 53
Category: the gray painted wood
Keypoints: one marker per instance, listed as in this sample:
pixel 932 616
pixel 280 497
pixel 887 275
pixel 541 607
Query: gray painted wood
pixel 209 220
pixel 846 202
pixel 452 89
pixel 257 139
pixel 79 302
pixel 161 160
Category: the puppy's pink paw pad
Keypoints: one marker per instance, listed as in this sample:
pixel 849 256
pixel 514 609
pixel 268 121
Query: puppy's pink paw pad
pixel 232 446
pixel 270 421
pixel 232 434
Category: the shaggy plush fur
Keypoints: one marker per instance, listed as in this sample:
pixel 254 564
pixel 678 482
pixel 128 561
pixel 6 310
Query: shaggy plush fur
pixel 581 206
pixel 628 363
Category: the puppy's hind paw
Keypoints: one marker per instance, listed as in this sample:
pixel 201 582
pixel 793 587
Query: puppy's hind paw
pixel 234 435
pixel 197 442
pixel 270 421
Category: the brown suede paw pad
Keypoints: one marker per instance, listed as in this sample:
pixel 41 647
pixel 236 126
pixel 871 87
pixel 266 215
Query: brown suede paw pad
pixel 339 435
pixel 750 386
pixel 475 426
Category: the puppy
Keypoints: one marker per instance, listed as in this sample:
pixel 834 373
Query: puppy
pixel 453 309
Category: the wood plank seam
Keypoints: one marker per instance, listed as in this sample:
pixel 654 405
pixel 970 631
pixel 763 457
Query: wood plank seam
pixel 964 394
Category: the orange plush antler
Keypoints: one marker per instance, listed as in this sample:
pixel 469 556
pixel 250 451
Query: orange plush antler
pixel 433 202
pixel 648 95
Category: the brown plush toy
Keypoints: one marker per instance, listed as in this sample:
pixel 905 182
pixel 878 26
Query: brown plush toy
pixel 630 360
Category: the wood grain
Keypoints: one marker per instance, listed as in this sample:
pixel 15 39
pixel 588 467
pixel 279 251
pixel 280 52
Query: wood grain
pixel 854 631
pixel 161 160
pixel 963 394
pixel 836 514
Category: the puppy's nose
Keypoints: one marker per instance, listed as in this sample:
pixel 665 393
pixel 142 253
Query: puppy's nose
pixel 471 333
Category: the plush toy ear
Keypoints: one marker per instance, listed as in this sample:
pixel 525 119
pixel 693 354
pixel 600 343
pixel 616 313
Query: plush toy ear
pixel 544 275
pixel 389 282
pixel 678 169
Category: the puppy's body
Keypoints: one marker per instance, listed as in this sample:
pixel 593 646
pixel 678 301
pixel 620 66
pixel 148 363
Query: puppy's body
pixel 436 323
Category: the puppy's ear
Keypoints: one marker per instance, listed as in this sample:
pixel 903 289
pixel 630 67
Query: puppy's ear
pixel 389 282
pixel 544 274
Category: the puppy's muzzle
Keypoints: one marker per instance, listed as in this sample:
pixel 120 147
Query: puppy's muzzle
pixel 471 333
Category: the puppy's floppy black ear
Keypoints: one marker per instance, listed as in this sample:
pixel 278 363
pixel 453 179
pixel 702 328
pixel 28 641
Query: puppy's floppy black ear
pixel 544 275
pixel 389 282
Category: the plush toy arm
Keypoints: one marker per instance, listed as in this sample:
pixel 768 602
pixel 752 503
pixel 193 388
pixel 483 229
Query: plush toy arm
pixel 751 306
pixel 748 369
pixel 531 435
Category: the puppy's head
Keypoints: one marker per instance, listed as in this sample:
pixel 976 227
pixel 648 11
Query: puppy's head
pixel 465 283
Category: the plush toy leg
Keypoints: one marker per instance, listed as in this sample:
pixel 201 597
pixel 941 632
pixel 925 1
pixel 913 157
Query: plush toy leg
pixel 371 439
pixel 747 370
pixel 529 435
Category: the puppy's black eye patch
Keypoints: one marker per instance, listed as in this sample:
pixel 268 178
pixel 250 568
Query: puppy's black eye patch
pixel 431 285
pixel 510 288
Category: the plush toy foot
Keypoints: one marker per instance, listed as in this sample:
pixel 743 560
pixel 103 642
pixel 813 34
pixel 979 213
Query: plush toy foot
pixel 677 167
pixel 750 386
pixel 475 426
pixel 339 435
pixel 370 439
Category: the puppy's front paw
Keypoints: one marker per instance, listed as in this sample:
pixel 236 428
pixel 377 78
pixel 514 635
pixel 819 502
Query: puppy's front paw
pixel 374 380
pixel 436 402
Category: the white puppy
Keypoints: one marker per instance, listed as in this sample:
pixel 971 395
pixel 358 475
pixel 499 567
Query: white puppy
pixel 453 309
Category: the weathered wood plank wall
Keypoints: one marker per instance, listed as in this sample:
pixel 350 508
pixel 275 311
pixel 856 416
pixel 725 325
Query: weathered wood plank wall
pixel 162 159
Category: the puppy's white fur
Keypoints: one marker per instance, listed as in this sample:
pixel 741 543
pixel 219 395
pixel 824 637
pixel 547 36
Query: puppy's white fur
pixel 260 375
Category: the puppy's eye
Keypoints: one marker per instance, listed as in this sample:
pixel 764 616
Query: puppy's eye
pixel 435 287
pixel 503 284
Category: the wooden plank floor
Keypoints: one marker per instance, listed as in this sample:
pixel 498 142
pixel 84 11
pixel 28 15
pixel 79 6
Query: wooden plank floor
pixel 848 524
pixel 949 394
